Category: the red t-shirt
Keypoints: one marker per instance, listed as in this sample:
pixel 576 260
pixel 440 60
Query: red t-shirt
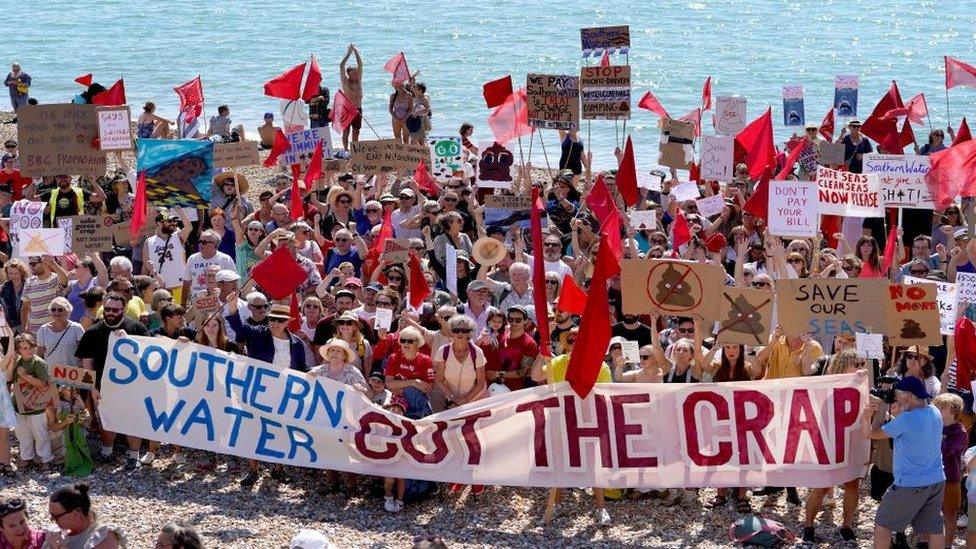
pixel 513 350
pixel 14 183
pixel 420 368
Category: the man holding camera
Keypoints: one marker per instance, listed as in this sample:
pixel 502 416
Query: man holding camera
pixel 916 496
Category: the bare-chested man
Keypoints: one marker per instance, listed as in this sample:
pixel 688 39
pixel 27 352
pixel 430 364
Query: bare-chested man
pixel 352 85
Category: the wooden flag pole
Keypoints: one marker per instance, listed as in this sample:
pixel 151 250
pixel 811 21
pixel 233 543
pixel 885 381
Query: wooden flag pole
pixel 544 155
pixel 370 126
pixel 553 492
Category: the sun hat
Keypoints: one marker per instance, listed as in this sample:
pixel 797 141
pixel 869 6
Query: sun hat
pixel 337 344
pixel 223 177
pixel 280 310
pixel 488 251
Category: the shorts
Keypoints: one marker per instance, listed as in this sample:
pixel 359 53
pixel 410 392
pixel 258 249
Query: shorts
pixel 920 506
pixel 357 123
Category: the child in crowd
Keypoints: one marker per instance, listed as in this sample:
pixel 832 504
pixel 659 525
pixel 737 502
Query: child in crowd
pixel 394 503
pixel 61 415
pixel 29 376
pixel 954 439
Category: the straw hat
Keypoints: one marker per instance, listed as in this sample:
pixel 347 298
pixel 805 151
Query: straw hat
pixel 348 315
pixel 280 310
pixel 488 251
pixel 337 344
pixel 919 350
pixel 335 193
pixel 220 178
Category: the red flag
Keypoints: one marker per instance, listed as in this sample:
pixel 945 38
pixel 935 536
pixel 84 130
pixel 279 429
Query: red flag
pixel 314 167
pixel 889 252
pixel 958 73
pixel 965 339
pixel 693 116
pixel 139 207
pixel 85 80
pixel 312 81
pixel 279 274
pixel 279 148
pixel 497 91
pixel 758 203
pixel 605 60
pixel 827 126
pixel 952 173
pixel 918 109
pixel 906 136
pixel 627 176
pixel 694 173
pixel 571 298
pixel 650 102
pixel 885 130
pixel 586 361
pixel 963 134
pixel 112 96
pixel 791 159
pixel 599 199
pixel 386 232
pixel 190 93
pixel 757 140
pixel 297 209
pixel 425 182
pixel 343 112
pixel 295 324
pixel 287 85
pixel 539 275
pixel 706 101
pixel 680 232
pixel 511 118
pixel 419 289
pixel 397 66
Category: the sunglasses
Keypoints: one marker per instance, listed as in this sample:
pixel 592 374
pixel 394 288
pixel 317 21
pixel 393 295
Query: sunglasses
pixel 659 241
pixel 394 278
pixel 645 357
pixel 515 319
pixel 58 310
pixel 255 229
pixel 686 330
pixel 384 303
pixel 405 197
pixel 278 320
pixel 552 283
pixel 343 201
pixel 760 284
pixel 311 306
pixel 911 356
pixel 342 240
pixel 794 261
pixel 848 268
pixel 418 248
pixel 258 306
pixel 460 331
pixel 551 245
pixel 372 210
pixel 448 199
pixel 407 341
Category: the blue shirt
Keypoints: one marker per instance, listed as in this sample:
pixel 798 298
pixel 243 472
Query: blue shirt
pixel 333 259
pixel 918 447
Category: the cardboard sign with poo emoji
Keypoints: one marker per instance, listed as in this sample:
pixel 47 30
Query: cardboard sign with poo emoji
pixel 912 314
pixel 668 287
pixel 744 317
pixel 677 138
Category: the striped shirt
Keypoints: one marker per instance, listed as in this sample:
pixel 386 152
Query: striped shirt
pixel 40 293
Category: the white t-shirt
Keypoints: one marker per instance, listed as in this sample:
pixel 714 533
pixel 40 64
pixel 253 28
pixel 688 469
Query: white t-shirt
pixel 282 356
pixel 173 256
pixel 196 265
pixel 364 315
pixel 398 217
pixel 559 266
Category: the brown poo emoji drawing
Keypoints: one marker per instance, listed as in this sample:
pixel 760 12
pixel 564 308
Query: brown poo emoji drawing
pixel 495 164
pixel 743 319
pixel 911 329
pixel 671 290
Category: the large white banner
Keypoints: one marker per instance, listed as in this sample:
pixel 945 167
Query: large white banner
pixel 799 432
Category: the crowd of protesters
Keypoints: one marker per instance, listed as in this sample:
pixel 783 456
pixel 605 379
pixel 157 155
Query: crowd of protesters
pixel 473 336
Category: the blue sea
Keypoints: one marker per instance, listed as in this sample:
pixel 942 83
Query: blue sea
pixel 750 49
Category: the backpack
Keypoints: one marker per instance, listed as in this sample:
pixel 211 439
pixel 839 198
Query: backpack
pixel 760 532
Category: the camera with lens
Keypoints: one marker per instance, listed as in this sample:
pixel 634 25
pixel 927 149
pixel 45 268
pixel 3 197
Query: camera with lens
pixel 885 389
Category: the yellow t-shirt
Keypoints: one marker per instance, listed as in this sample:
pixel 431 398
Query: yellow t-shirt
pixel 561 362
pixel 783 363
pixel 133 309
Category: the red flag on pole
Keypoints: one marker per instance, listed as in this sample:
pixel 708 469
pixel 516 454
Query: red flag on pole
pixel 287 85
pixel 279 274
pixel 952 173
pixel 386 232
pixel 627 176
pixel 85 80
pixel 605 60
pixel 112 96
pixel 295 324
pixel 511 119
pixel 680 232
pixel 297 209
pixel 758 203
pixel 791 159
pixel 958 73
pixel 343 112
pixel 139 207
pixel 497 91
pixel 599 199
pixel 419 289
pixel 312 81
pixel 962 135
pixel 918 109
pixel 425 182
pixel 314 167
pixel 706 99
pixel 571 298
pixel 693 116
pixel 649 102
pixel 279 148
pixel 965 339
pixel 827 126
pixel 889 252
pixel 885 130
pixel 397 66
pixel 190 93
pixel 539 299
pixel 757 140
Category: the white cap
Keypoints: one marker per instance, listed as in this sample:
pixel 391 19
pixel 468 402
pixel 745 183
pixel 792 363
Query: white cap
pixel 227 275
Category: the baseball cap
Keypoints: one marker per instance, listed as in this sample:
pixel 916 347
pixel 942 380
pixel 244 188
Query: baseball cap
pixel 913 385
pixel 227 275
pixel 476 285
pixel 345 293
pixel 353 281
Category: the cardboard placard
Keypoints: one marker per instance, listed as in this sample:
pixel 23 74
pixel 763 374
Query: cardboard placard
pixel 302 146
pixel 716 157
pixel 553 101
pixel 240 153
pixel 946 297
pixel 31 399
pixel 677 137
pixel 745 317
pixel 648 181
pixel 596 39
pixel 386 156
pixel 711 206
pixel 631 351
pixel 72 376
pixel 90 235
pixel 114 129
pixel 793 112
pixel 845 95
pixel 445 158
pixel 832 154
pixel 793 209
pixel 120 229
pixel 24 215
pixel 505 211
pixel 41 242
pixel 668 287
pixel 848 194
pixel 913 314
pixel 643 220
pixel 827 307
pixel 869 345
pixel 730 114
pixel 204 306
pixel 396 250
pixel 685 191
pixel 495 163
pixel 902 179
pixel 55 139
pixel 605 92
